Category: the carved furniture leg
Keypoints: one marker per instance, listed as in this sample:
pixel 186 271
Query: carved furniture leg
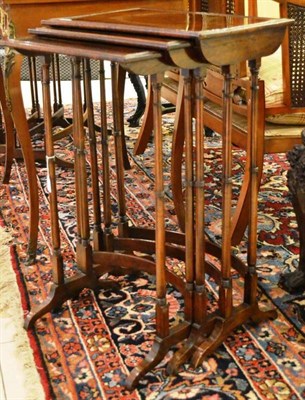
pixel 120 88
pixel 13 62
pixel 83 247
pixel 119 150
pixel 147 124
pixel 8 145
pixel 295 281
pixel 134 119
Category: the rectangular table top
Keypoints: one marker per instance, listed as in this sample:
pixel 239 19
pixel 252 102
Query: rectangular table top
pixel 175 52
pixel 139 61
pixel 115 38
pixel 220 39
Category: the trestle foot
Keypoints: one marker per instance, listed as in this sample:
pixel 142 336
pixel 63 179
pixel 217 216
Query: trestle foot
pixel 158 351
pixel 259 315
pixel 183 354
pixel 55 298
pixel 61 293
pixel 214 333
pixel 210 343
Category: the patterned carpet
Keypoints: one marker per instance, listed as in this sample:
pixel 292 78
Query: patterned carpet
pixel 84 349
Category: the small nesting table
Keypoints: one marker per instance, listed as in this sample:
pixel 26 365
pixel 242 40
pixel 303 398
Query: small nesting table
pixel 159 41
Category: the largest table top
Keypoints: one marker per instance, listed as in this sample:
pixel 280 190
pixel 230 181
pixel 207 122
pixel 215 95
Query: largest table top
pixel 222 39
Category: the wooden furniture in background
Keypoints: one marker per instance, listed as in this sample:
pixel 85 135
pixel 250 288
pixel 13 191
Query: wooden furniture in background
pixel 7 137
pixel 9 147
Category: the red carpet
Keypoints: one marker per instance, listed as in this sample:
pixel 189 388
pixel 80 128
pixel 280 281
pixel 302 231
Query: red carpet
pixel 83 350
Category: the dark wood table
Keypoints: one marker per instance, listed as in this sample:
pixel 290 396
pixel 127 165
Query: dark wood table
pixel 218 39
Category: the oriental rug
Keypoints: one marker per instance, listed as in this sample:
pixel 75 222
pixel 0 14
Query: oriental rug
pixel 84 349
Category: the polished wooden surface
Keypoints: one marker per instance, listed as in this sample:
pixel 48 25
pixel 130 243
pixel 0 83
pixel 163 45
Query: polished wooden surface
pixel 227 32
pixel 178 24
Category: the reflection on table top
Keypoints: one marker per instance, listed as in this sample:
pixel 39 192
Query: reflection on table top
pixel 172 23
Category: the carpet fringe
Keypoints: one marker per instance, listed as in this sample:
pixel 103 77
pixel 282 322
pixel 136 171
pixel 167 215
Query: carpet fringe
pixel 10 307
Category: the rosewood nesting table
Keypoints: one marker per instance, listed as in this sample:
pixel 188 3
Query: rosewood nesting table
pixel 16 17
pixel 220 40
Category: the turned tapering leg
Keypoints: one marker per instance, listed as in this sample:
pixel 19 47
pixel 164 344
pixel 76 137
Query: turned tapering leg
pixel 97 220
pixel 12 68
pixel 184 352
pixel 162 323
pixel 118 140
pixel 189 195
pixel 107 217
pixel 56 259
pixel 83 250
pixel 200 301
pixel 251 275
pixel 225 287
pixel 34 86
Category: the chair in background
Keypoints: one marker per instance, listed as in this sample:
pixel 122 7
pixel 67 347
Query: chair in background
pixel 281 103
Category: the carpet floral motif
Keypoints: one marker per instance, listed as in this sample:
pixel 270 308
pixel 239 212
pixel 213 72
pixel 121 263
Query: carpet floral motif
pixel 84 349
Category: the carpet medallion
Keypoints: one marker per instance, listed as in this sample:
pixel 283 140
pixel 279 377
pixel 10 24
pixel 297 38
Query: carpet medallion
pixel 84 349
